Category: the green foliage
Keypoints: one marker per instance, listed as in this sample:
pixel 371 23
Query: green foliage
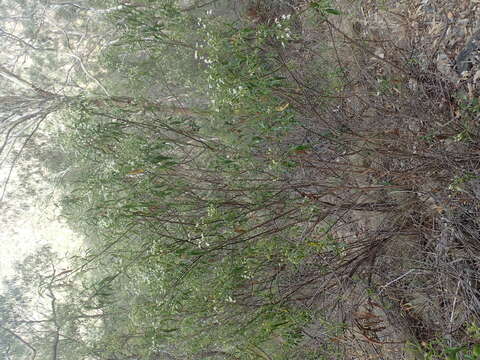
pixel 458 182
pixel 439 349
pixel 324 7
pixel 175 180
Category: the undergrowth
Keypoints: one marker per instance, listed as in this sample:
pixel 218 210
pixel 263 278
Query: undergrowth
pixel 258 206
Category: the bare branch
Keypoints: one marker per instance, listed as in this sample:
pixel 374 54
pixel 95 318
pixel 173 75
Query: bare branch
pixel 21 41
pixel 23 341
pixel 18 155
pixel 82 65
pixel 7 74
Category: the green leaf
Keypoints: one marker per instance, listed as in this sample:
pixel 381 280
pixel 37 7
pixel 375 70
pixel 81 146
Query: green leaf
pixel 476 350
pixel 158 158
pixel 332 11
pixel 302 148
pixel 169 330
pixel 196 252
pixel 453 352
pixel 274 326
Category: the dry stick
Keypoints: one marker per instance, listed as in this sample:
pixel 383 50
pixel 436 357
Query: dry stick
pixel 18 122
pixel 312 107
pixel 51 295
pixel 7 74
pixel 14 162
pixel 370 340
pixel 105 249
pixel 19 338
pixel 126 101
pixel 335 47
pixel 230 242
pixel 11 147
pixel 21 41
pixel 395 280
pixel 453 306
pixel 369 206
pixel 305 283
pixel 356 43
pixel 82 65
pixel 197 6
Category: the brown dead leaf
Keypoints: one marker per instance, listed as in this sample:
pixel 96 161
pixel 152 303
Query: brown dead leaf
pixel 365 315
pixel 136 172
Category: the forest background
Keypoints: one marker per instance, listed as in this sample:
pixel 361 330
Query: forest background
pixel 240 179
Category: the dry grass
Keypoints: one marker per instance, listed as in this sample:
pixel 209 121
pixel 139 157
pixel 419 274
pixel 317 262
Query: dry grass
pixel 394 161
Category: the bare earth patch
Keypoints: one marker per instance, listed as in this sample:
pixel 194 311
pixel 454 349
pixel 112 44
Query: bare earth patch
pixel 389 93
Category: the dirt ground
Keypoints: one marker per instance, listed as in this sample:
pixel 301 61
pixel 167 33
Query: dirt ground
pixel 415 280
pixel 388 92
